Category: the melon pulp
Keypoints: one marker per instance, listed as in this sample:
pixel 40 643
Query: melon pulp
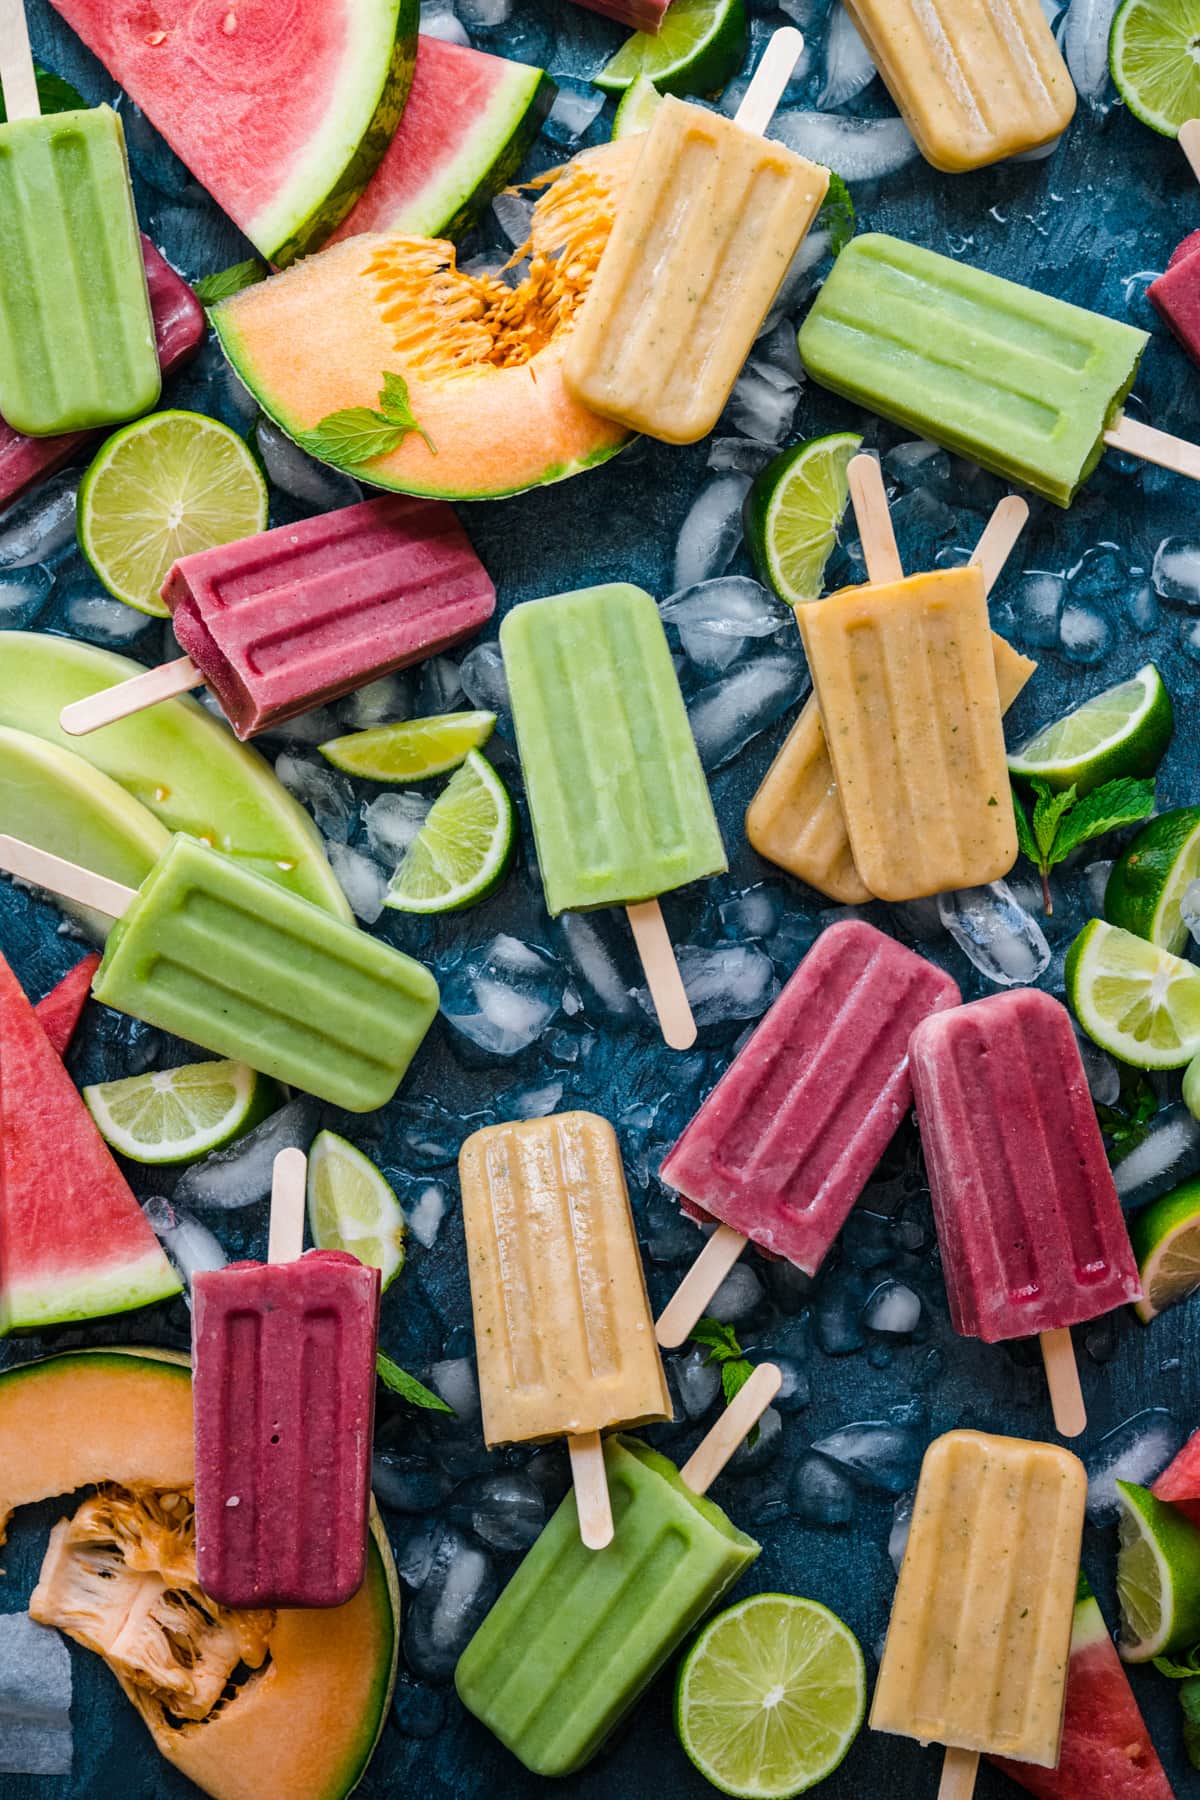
pixel 469 121
pixel 281 108
pixel 482 360
pixel 303 1725
pixel 1180 1481
pixel 59 1012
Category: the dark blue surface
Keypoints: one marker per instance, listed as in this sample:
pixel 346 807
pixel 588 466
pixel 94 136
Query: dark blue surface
pixel 1087 224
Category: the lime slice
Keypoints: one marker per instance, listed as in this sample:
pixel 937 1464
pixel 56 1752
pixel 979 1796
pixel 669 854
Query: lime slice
pixel 1138 1002
pixel 162 488
pixel 462 850
pixel 701 44
pixel 1166 1242
pixel 793 512
pixel 1146 888
pixel 177 1115
pixel 1153 53
pixel 413 750
pixel 1158 1576
pixel 771 1696
pixel 351 1207
pixel 1191 1087
pixel 638 106
pixel 1123 731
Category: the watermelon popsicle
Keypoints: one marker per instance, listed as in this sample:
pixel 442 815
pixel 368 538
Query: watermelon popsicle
pixel 299 616
pixel 577 1636
pixel 1176 292
pixel 214 953
pixel 620 806
pixel 642 15
pixel 1030 1226
pixel 283 1361
pixel 791 1134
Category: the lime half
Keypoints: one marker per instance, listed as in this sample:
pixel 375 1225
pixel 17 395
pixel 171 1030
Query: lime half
pixel 1139 1003
pixel 413 750
pixel 1123 731
pixel 1154 55
pixel 1146 888
pixel 771 1696
pixel 1166 1242
pixel 639 104
pixel 1158 1576
pixel 351 1207
pixel 162 488
pixel 701 44
pixel 793 513
pixel 177 1115
pixel 462 850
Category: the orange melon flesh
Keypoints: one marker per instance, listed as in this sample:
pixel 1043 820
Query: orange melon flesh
pixel 483 361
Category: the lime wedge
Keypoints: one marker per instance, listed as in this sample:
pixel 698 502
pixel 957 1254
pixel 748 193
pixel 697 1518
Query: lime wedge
pixel 1158 1576
pixel 701 44
pixel 770 1697
pixel 1146 888
pixel 1191 1087
pixel 462 850
pixel 635 114
pixel 413 750
pixel 793 512
pixel 177 1115
pixel 351 1207
pixel 1152 52
pixel 1123 731
pixel 1166 1242
pixel 162 488
pixel 1138 1002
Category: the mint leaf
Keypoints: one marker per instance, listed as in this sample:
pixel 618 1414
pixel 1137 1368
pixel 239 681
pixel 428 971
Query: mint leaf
pixel 1128 1125
pixel 1107 808
pixel 1189 1700
pixel 357 435
pixel 1048 810
pixel 734 1376
pixel 720 1340
pixel 399 1381
pixel 394 405
pixel 228 282
pixel 1026 842
pixel 1175 1669
pixel 837 215
pixel 54 94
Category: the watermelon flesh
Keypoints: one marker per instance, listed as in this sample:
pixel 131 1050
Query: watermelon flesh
pixel 73 1241
pixel 1106 1749
pixel 59 1013
pixel 281 108
pixel 469 121
pixel 1180 1481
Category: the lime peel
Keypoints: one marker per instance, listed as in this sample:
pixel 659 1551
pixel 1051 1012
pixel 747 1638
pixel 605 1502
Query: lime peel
pixel 177 1115
pixel 352 1207
pixel 463 849
pixel 793 513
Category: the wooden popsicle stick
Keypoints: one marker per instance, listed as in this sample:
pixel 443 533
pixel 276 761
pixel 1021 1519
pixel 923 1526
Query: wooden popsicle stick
pixel 1062 1378
pixel 690 1299
pixel 64 878
pixel 166 682
pixel 1154 446
pixel 869 499
pixel 1189 143
pixel 740 1416
pixel 661 970
pixel 999 538
pixel 591 1489
pixel 770 79
pixel 289 1178
pixel 21 99
pixel 958 1775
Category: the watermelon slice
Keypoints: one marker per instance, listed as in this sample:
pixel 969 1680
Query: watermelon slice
pixel 281 108
pixel 469 121
pixel 59 1012
pixel 1180 1481
pixel 1106 1749
pixel 73 1242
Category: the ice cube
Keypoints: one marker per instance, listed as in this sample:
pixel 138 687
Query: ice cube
pixel 820 1493
pixel 859 149
pixel 514 215
pixel 1085 633
pixel 448 1607
pixel 1085 46
pixel 1037 602
pixel 425 1213
pixel 711 532
pixel 23 593
pixel 503 996
pixel 1004 942
pixel 392 822
pixel 576 108
pixel 36 527
pixel 380 702
pixel 1137 1450
pixel 240 1175
pixel 723 984
pixel 327 794
pixel 730 712
pixel 1189 908
pixel 716 619
pixel 738 1295
pixel 99 619
pixel 893 1309
pixel 190 1245
pixel 296 473
pixel 848 64
pixel 361 880
pixel 875 1453
pixel 455 1382
pixel 1103 1075
pixel 603 960
pixel 695 1382
pixel 483 679
pixel 902 1516
pixel 1167 1155
pixel 505 1511
pixel 763 403
pixel 406 1484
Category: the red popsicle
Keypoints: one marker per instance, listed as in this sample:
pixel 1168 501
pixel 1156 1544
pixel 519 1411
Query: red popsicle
pixel 1176 294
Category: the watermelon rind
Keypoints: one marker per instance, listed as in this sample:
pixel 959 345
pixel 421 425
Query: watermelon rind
pixel 68 1297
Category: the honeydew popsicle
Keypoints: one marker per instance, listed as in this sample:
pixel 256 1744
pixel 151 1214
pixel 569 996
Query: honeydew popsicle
pixel 706 233
pixel 577 1636
pixel 299 616
pixel 562 1321
pixel 214 953
pixel 905 677
pixel 1026 385
pixel 620 806
pixel 77 346
pixel 795 819
pixel 976 80
pixel 977 1648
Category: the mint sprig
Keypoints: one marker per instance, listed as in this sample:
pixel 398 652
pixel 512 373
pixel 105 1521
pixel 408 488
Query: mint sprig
pixel 1061 822
pixel 228 282
pixel 723 1349
pixel 1127 1124
pixel 1186 1670
pixel 399 1381
pixel 360 434
pixel 837 214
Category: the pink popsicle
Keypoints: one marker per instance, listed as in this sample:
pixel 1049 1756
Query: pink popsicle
pixel 1027 1214
pixel 296 617
pixel 179 326
pixel 283 1360
pixel 643 15
pixel 792 1132
pixel 1176 294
